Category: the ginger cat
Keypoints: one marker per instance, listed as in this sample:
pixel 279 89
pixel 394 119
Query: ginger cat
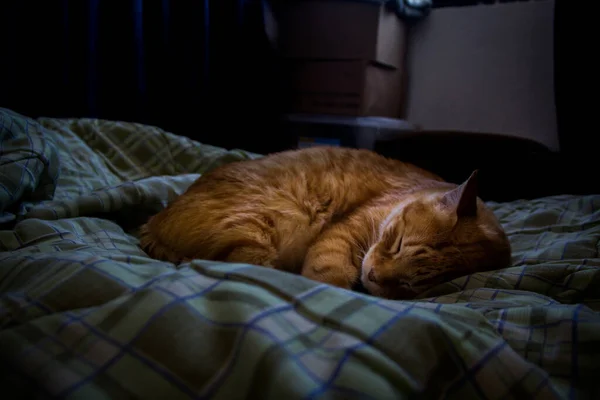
pixel 336 215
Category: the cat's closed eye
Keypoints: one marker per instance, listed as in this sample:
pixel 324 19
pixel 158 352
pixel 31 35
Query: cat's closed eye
pixel 420 251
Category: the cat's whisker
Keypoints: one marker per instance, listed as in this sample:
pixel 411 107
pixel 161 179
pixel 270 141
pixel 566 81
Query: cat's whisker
pixel 373 229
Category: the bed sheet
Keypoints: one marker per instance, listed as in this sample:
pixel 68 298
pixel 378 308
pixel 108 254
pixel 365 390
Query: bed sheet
pixel 85 313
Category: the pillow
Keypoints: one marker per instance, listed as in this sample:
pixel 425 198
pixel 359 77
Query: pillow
pixel 29 164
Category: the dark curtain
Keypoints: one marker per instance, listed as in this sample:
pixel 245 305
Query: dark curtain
pixel 203 69
pixel 575 82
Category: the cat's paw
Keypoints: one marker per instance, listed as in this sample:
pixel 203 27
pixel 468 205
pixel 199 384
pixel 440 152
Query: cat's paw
pixel 343 277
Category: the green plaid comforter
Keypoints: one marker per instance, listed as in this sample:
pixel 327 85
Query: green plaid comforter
pixel 84 313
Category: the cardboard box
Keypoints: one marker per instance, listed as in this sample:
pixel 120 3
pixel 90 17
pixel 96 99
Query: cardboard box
pixel 354 88
pixel 341 30
pixel 345 57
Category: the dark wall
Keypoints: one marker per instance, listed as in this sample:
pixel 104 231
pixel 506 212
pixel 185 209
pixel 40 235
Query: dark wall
pixel 576 82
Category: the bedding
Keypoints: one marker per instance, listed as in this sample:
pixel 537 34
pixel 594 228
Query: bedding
pixel 85 313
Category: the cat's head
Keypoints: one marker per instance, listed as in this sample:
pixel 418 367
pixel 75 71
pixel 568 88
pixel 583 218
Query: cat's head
pixel 432 238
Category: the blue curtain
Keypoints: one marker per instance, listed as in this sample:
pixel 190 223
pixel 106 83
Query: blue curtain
pixel 164 62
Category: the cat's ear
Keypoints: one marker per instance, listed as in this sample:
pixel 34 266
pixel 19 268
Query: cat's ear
pixel 463 199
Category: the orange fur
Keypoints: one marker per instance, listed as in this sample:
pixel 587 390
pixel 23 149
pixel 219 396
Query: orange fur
pixel 336 215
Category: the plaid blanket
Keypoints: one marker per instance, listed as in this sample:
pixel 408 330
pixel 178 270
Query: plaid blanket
pixel 84 313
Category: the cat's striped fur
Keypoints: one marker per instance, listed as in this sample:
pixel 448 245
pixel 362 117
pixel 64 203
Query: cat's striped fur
pixel 336 215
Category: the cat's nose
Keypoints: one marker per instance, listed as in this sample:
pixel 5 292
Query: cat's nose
pixel 371 276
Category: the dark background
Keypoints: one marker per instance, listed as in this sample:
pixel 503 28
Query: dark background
pixel 202 68
pixel 205 69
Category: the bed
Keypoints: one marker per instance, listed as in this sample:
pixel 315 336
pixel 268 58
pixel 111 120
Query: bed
pixel 85 313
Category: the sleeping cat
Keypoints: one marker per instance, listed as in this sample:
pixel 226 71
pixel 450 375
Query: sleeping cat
pixel 336 215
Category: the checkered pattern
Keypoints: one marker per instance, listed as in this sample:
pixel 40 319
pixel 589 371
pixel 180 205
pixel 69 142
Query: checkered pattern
pixel 84 313
pixel 29 164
